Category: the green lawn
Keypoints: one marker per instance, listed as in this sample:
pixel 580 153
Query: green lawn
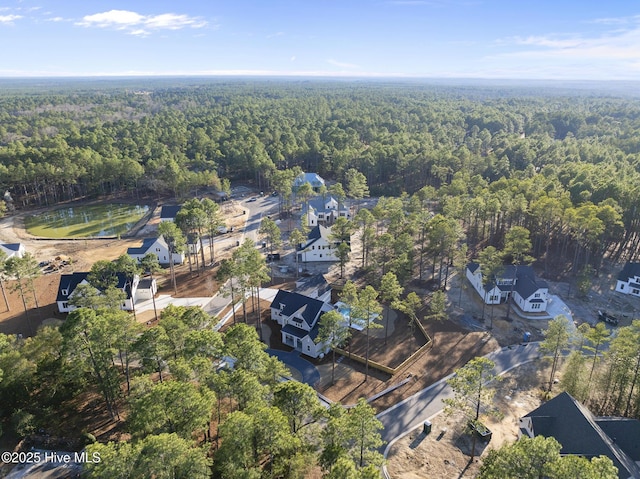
pixel 85 221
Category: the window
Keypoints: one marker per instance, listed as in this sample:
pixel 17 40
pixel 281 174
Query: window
pixel 65 305
pixel 308 348
pixel 537 295
pixel 621 285
pixel 635 291
pixel 321 255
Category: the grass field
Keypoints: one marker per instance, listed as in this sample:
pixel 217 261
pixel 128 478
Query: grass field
pixel 85 221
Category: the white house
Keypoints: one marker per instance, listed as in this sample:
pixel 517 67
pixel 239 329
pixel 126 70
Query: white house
pixel 313 179
pixel 298 315
pixel 319 246
pixel 13 250
pixel 157 246
pixel 193 243
pixel 629 279
pixel 169 212
pixel 325 210
pixel 134 290
pixel 529 293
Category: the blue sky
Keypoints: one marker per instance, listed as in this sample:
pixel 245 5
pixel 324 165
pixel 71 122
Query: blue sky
pixel 537 39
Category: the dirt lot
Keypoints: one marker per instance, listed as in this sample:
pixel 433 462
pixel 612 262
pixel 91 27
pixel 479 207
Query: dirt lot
pixel 445 452
pixel 68 256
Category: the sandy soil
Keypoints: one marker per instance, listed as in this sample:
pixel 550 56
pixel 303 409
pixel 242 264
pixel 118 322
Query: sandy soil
pixel 68 256
pixel 446 451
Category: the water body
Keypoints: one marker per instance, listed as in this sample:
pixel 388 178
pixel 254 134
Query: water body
pixel 86 221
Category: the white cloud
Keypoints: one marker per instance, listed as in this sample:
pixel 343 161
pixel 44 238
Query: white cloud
pixel 336 63
pixel 278 34
pixel 137 24
pixel 9 19
pixel 293 58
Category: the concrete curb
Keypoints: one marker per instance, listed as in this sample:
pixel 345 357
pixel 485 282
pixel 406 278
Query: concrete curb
pixel 385 472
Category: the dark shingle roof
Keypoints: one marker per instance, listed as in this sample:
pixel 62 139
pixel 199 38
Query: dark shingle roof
pixel 625 432
pixel 11 246
pixel 629 271
pixel 146 244
pixel 573 426
pixel 70 282
pixel 169 211
pixel 289 303
pixel 293 331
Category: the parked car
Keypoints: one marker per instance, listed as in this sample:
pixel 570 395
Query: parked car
pixel 251 200
pixel 607 318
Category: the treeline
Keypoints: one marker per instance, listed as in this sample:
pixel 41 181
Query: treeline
pixel 564 166
pixel 194 402
pixel 401 136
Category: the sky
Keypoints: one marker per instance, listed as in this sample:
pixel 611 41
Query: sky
pixel 495 39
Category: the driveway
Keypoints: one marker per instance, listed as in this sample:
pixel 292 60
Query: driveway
pixel 310 374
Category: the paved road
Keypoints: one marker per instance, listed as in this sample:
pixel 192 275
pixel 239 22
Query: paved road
pixel 410 413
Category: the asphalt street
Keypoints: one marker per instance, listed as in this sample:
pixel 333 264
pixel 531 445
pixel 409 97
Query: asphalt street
pixel 401 418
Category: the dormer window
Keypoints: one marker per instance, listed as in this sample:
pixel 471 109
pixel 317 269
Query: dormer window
pixel 65 292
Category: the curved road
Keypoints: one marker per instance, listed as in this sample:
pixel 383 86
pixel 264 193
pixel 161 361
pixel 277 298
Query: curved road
pixel 405 416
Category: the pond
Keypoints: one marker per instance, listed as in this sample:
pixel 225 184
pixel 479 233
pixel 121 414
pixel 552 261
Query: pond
pixel 86 221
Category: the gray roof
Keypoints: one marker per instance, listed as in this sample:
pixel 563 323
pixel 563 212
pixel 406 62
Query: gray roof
pixel 313 284
pixel 526 282
pixel 574 427
pixel 313 178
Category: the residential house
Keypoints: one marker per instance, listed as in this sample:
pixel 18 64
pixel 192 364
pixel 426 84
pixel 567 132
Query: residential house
pixel 134 290
pixel 313 179
pixel 298 315
pixel 319 246
pixel 629 279
pixel 169 212
pixel 193 243
pixel 324 211
pixel 581 434
pixel 315 287
pixel 13 250
pixel 157 246
pixel 529 293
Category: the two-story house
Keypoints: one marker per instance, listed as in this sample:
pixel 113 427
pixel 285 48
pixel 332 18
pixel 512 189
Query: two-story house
pixel 324 211
pixel 629 279
pixel 530 294
pixel 298 315
pixel 319 246
pixel 314 179
pixel 157 246
pixel 133 289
